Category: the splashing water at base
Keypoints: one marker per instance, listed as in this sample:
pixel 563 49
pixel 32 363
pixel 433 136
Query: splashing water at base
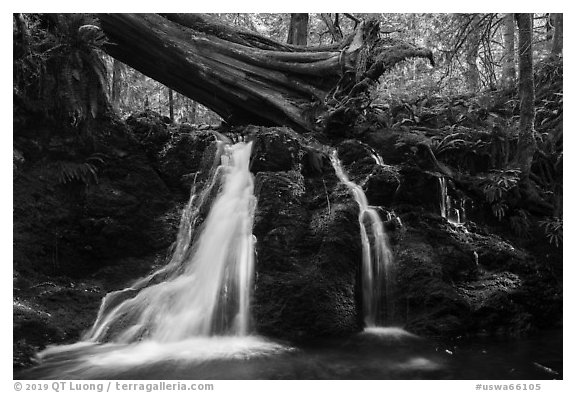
pixel 198 305
pixel 376 255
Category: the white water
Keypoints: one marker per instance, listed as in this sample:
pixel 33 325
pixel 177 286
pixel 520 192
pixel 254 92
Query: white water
pixel 453 212
pixel 394 333
pixel 444 202
pixel 377 158
pixel 206 284
pixel 197 307
pixel 377 257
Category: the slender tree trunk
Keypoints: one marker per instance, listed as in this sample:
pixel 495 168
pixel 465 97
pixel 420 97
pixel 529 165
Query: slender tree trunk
pixel 333 28
pixel 473 74
pixel 526 141
pixel 549 27
pixel 193 111
pixel 171 104
pixel 509 63
pixel 557 40
pixel 116 84
pixel 298 30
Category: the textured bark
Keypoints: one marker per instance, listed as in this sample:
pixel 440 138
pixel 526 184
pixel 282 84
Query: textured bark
pixel 333 28
pixel 526 140
pixel 192 109
pixel 298 30
pixel 116 84
pixel 171 104
pixel 509 63
pixel 248 79
pixel 472 73
pixel 558 39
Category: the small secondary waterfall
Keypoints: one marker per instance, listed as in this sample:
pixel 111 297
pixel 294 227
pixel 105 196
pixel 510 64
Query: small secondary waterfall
pixel 205 288
pixel 377 257
pixel 453 211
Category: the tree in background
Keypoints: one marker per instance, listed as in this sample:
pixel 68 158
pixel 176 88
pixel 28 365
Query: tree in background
pixel 472 46
pixel 171 104
pixel 298 30
pixel 526 140
pixel 558 38
pixel 333 26
pixel 509 58
pixel 116 88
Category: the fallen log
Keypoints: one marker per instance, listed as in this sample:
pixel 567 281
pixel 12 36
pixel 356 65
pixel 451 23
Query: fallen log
pixel 250 79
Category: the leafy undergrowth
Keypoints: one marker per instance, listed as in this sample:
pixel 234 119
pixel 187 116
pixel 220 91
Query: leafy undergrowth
pixel 472 140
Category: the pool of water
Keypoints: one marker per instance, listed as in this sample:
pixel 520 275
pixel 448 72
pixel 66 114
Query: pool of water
pixel 378 353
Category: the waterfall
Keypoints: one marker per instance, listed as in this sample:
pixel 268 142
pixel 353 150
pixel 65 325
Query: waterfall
pixel 377 158
pixel 194 309
pixel 453 211
pixel 205 288
pixel 444 201
pixel 376 254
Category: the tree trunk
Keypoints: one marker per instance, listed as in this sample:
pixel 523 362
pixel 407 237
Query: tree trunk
pixel 526 141
pixel 298 30
pixel 192 112
pixel 116 84
pixel 557 40
pixel 171 104
pixel 509 63
pixel 333 28
pixel 249 79
pixel 472 73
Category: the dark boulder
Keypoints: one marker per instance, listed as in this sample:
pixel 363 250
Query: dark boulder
pixel 275 149
pixel 184 156
pixel 418 188
pixel 382 185
pixel 150 129
pixel 308 253
pixel 453 282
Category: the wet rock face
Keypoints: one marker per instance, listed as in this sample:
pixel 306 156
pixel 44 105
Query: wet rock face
pixel 275 149
pixel 428 260
pixel 121 213
pixel 452 282
pixel 183 157
pixel 308 252
pixel 352 151
pixel 382 185
pixel 418 188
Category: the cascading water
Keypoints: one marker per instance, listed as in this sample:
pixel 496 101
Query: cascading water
pixel 453 211
pixel 377 158
pixel 198 305
pixel 444 201
pixel 377 257
pixel 206 288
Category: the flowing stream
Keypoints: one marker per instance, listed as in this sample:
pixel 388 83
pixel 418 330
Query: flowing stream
pixel 377 257
pixel 197 307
